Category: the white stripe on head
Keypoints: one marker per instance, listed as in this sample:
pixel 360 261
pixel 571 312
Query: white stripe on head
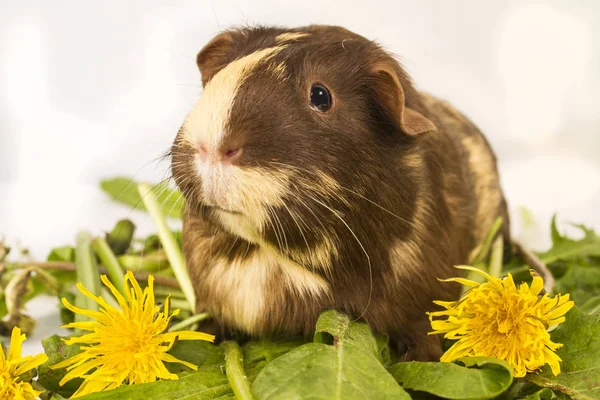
pixel 290 36
pixel 207 119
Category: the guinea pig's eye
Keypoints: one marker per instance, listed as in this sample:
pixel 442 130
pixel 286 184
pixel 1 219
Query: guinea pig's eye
pixel 320 98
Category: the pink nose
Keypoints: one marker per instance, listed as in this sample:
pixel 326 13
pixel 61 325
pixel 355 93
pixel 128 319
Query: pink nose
pixel 226 156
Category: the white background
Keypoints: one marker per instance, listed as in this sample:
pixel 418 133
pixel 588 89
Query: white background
pixel 89 90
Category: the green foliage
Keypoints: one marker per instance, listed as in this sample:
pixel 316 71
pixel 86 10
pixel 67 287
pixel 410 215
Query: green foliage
pixel 528 391
pixel 342 363
pixel 564 248
pixel 344 360
pixel 57 351
pixel 208 382
pixel 197 352
pixel 575 264
pixel 469 378
pixel 63 253
pixel 124 190
pixel 580 367
pixel 119 239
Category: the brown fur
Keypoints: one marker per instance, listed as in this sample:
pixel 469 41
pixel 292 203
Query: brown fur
pixel 385 192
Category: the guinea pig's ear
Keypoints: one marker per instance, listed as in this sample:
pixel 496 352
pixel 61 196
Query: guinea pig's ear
pixel 214 56
pixel 390 95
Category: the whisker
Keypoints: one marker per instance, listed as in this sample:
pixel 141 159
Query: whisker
pixel 309 172
pixel 304 272
pixel 334 212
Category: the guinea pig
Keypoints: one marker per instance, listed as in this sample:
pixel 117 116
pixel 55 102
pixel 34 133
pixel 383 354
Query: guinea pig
pixel 316 176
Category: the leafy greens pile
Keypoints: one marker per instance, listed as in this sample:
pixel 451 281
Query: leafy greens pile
pixel 344 360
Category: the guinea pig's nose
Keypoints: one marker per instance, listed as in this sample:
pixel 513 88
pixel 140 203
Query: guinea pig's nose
pixel 228 155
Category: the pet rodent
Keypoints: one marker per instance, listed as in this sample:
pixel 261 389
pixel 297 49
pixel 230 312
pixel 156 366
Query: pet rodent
pixel 315 176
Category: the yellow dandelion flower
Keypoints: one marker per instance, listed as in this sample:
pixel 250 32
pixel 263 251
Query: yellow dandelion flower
pixel 13 367
pixel 498 319
pixel 129 345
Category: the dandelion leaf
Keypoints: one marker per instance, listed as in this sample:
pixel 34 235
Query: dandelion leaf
pixel 124 190
pixel 209 382
pixel 564 248
pixel 580 368
pixel 266 350
pixel 62 253
pixel 581 280
pixel 341 363
pixel 592 306
pixel 532 392
pixel 468 378
pixel 575 264
pixel 197 352
pixel 57 351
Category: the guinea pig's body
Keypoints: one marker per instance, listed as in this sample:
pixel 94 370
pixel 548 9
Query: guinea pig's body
pixel 316 177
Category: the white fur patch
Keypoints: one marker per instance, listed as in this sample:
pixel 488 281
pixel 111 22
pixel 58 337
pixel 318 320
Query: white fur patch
pixel 245 283
pixel 289 36
pixel 207 119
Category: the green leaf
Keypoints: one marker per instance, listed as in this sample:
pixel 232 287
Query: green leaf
pixel 268 349
pixel 564 248
pixel 580 368
pixel 66 316
pixel 124 190
pixel 581 281
pixel 57 351
pixel 197 352
pixel 333 326
pixel 119 239
pixel 209 382
pixel 63 253
pixel 544 394
pixel 384 354
pixel 592 306
pixel 476 378
pixel 347 368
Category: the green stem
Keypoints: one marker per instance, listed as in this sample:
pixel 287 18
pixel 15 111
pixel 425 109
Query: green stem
pixel 110 262
pixel 87 273
pixel 169 243
pixel 188 321
pixel 235 371
pixel 150 262
pixel 485 246
pixel 180 304
pixel 163 292
pixel 49 278
pixel 496 257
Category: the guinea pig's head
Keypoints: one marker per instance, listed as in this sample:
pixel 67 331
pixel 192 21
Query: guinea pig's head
pixel 295 132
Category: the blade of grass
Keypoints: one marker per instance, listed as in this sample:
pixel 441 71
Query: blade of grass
pixel 188 321
pixel 169 243
pixel 152 262
pixel 495 268
pixel 164 292
pixel 479 260
pixel 180 304
pixel 235 371
pixel 487 243
pixel 87 273
pixel 110 262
